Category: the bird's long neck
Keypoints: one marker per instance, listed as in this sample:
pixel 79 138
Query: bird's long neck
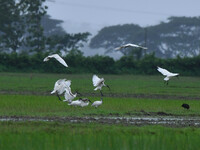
pixel 75 95
pixel 176 74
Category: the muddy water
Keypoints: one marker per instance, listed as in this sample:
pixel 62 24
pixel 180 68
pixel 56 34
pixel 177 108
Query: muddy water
pixel 139 121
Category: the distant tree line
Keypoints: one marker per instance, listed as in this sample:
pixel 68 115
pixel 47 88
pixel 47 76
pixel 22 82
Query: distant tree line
pixel 97 64
pixel 26 28
pixel 28 35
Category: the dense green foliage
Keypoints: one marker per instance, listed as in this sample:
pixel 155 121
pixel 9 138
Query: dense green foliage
pixel 177 36
pixel 52 26
pixel 25 28
pixel 98 64
pixel 20 25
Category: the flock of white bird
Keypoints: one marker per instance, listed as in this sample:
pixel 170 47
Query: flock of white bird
pixel 165 72
pixel 63 86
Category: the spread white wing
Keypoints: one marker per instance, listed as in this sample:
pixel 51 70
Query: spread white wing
pixel 68 95
pixel 164 71
pixel 57 57
pixel 118 48
pixel 68 83
pixel 95 80
pixel 130 45
pixel 61 85
pixel 60 81
pixel 134 45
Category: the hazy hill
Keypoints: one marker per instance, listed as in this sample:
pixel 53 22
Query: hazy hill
pixel 178 36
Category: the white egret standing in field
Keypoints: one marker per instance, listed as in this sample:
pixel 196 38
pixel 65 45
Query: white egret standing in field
pixel 75 103
pixel 130 45
pixel 57 57
pixel 85 102
pixel 97 103
pixel 167 74
pixel 60 87
pixel 99 83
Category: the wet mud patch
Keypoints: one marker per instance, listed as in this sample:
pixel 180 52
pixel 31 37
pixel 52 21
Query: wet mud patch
pixel 160 113
pixel 172 121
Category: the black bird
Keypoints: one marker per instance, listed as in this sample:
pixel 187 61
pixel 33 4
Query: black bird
pixel 186 106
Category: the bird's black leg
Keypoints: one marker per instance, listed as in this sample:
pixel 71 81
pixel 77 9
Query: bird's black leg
pixel 101 93
pixel 167 82
pixel 58 96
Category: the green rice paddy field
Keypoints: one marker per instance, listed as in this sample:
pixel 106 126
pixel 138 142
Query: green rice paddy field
pixel 29 95
pixel 123 84
pixel 57 136
pixel 31 105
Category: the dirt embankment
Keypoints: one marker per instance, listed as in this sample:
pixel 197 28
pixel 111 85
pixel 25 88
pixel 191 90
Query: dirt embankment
pixel 136 121
pixel 118 95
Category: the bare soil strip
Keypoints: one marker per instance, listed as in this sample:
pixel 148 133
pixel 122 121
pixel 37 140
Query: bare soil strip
pixel 135 121
pixel 118 95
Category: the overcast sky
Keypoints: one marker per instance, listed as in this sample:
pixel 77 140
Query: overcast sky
pixel 92 15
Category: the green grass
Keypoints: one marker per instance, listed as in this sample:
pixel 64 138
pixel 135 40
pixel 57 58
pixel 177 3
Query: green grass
pixel 23 105
pixel 57 136
pixel 126 84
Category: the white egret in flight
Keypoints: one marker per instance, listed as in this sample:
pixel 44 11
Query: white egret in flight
pixel 57 57
pixel 98 83
pixel 130 45
pixel 167 74
pixel 60 87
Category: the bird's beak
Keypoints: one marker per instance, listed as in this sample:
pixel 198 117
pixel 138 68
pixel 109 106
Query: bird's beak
pixel 78 93
pixel 89 101
pixel 108 87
